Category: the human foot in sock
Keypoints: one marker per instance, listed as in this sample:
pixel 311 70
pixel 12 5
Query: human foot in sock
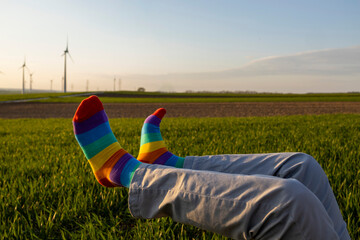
pixel 152 146
pixel 111 164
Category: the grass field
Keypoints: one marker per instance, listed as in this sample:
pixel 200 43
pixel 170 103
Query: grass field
pixel 11 97
pixel 48 190
pixel 156 97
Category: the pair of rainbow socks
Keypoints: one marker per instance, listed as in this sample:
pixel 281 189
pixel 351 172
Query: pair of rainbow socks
pixel 111 164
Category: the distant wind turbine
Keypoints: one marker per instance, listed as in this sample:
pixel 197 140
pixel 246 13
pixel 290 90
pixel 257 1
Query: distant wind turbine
pixel 66 52
pixel 23 78
pixel 114 83
pixel 31 81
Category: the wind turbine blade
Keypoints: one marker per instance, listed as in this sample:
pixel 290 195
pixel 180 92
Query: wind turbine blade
pixel 67 45
pixel 70 57
pixel 24 64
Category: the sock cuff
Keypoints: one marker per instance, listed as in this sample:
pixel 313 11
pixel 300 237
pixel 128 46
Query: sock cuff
pixel 163 158
pixel 124 166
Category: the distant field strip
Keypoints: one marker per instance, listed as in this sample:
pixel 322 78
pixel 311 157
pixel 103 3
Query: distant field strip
pixel 11 97
pixel 204 100
pixel 156 97
pixel 49 192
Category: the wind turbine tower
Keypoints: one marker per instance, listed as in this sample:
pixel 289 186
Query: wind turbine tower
pixel 23 75
pixel 66 52
pixel 114 83
pixel 31 81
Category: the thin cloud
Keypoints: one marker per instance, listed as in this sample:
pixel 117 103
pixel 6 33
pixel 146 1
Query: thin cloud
pixel 345 61
pixel 323 70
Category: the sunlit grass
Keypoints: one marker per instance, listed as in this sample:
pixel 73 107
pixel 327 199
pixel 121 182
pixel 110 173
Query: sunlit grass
pixel 48 189
pixel 155 97
pixel 11 97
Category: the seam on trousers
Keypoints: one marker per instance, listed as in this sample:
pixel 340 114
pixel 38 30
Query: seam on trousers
pixel 133 210
pixel 344 234
pixel 207 196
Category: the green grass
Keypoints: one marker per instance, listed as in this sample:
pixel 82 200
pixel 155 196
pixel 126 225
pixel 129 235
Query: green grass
pixel 47 189
pixel 11 97
pixel 156 97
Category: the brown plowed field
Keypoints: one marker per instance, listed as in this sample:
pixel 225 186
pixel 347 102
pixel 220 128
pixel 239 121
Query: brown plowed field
pixel 141 110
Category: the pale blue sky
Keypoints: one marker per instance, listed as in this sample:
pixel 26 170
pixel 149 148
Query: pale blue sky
pixel 147 43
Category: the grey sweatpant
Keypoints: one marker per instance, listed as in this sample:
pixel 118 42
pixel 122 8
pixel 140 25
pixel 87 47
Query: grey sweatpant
pixel 247 196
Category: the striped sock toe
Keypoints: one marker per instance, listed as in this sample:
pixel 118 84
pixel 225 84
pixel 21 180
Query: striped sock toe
pixel 152 146
pixel 111 164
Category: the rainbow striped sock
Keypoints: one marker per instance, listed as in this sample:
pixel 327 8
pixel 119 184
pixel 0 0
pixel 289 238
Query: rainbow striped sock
pixel 152 145
pixel 111 164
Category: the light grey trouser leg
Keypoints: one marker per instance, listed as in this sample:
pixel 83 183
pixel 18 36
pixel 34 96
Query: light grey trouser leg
pixel 299 166
pixel 234 205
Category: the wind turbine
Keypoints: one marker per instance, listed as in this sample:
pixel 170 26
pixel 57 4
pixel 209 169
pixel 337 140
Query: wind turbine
pixel 23 78
pixel 31 80
pixel 114 83
pixel 66 52
pixel 87 85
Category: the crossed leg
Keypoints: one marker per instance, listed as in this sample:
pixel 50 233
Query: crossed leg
pixel 241 206
pixel 302 167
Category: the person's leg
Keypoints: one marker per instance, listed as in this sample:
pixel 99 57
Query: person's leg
pixel 233 205
pixel 299 166
pixel 237 206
